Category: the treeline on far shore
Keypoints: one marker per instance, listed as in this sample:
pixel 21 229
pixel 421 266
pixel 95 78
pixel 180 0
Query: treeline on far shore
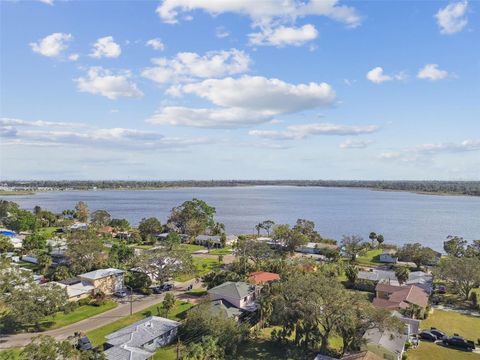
pixel 432 187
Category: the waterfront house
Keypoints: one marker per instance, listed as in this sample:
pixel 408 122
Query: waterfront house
pixel 315 248
pixel 388 257
pixel 140 340
pixel 214 240
pixel 108 280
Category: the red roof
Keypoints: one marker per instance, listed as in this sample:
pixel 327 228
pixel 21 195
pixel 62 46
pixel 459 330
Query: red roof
pixel 401 296
pixel 261 277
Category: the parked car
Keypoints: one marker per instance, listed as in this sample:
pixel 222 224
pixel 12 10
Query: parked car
pixel 438 333
pixel 120 293
pixel 84 343
pixel 459 342
pixel 162 288
pixel 427 335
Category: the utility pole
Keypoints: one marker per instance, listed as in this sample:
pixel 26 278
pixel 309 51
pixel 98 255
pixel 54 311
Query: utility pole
pixel 131 298
pixel 178 348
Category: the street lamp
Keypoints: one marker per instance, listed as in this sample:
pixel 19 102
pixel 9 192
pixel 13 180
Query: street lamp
pixel 131 298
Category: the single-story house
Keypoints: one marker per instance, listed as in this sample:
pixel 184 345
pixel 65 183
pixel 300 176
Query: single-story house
pixel 314 248
pixel 388 257
pixel 214 240
pixel 362 355
pixel 386 344
pixel 78 226
pixel 163 236
pixel 76 291
pixel 105 230
pixel 262 277
pixel 108 280
pixel 399 297
pixel 239 294
pixel 140 340
pixel 418 278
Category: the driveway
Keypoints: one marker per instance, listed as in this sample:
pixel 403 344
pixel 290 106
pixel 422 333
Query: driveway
pixel 122 310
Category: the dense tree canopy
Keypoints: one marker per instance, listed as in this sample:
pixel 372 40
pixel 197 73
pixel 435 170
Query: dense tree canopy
pixel 193 217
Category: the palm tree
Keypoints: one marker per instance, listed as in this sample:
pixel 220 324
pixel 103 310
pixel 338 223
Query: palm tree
pixel 266 309
pixel 258 227
pixel 380 239
pixel 373 237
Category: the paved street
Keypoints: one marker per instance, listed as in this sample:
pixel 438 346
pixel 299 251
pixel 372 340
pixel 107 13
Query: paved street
pixel 123 309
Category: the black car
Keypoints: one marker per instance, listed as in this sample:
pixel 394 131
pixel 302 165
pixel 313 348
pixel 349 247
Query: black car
pixel 459 343
pixel 427 335
pixel 439 334
pixel 162 288
pixel 84 343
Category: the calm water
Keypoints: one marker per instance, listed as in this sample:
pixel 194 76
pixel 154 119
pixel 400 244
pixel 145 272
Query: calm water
pixel 400 216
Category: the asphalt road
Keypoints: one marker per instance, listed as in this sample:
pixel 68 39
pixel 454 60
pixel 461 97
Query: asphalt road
pixel 122 310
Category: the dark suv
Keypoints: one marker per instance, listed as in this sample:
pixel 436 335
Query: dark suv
pixel 459 342
pixel 438 333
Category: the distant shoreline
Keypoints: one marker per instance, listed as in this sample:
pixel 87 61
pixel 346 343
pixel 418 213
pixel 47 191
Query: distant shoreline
pixel 213 184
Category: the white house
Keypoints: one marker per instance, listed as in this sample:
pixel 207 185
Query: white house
pixel 140 340
pixel 387 257
pixel 239 294
pixel 76 291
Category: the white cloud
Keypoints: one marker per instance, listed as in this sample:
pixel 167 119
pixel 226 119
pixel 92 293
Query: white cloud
pixel 452 19
pixel 425 150
pixel 295 132
pixel 102 138
pixel 73 57
pixel 355 144
pixel 283 35
pixel 377 76
pixel 106 47
pixel 221 32
pixel 272 96
pixel 261 12
pixel 48 2
pixel 432 72
pixel 186 66
pixel 103 82
pixel 156 44
pixel 207 118
pixel 52 45
pixel 5 121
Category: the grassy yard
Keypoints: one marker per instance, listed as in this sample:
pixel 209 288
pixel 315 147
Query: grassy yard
pixel 222 251
pixel 370 258
pixel 10 354
pixel 196 292
pixel 167 353
pixel 82 312
pixel 48 231
pixel 191 248
pixel 450 322
pixel 202 266
pixel 97 336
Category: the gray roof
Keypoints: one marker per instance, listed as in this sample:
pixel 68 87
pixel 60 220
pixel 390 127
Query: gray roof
pixel 377 275
pixel 141 332
pixel 225 308
pixel 413 325
pixel 388 340
pixel 101 273
pixel 235 290
pixel 126 353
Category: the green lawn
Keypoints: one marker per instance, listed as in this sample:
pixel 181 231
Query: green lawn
pixel 82 312
pixel 371 258
pixel 450 322
pixel 10 354
pixel 167 353
pixel 27 265
pixel 202 266
pixel 191 248
pixel 48 231
pixel 222 251
pixel 97 336
pixel 196 292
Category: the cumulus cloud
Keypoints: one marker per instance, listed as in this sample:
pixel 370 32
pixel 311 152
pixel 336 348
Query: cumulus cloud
pixel 424 150
pixel 48 2
pixel 52 45
pixel 73 57
pixel 432 72
pixel 282 36
pixel 156 44
pixel 207 118
pixel 186 66
pixel 261 12
pixel 106 47
pixel 272 96
pixel 99 81
pixel 377 75
pixel 296 132
pixel 355 144
pixel 452 18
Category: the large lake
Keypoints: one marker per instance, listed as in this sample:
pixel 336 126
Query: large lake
pixel 401 216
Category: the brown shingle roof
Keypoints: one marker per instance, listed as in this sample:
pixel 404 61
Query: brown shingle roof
pixel 261 277
pixel 401 296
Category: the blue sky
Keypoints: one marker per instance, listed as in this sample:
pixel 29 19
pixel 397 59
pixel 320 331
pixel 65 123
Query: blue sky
pixel 208 89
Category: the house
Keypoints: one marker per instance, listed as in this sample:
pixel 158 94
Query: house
pixel 412 326
pixel 78 226
pixel 105 230
pixel 387 257
pixel 17 242
pixel 226 309
pixel 262 277
pixel 314 248
pixel 386 344
pixel 140 340
pixel 362 355
pixel 418 278
pixel 376 275
pixel 77 290
pixel 214 240
pixel 108 280
pixel 399 297
pixel 239 294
